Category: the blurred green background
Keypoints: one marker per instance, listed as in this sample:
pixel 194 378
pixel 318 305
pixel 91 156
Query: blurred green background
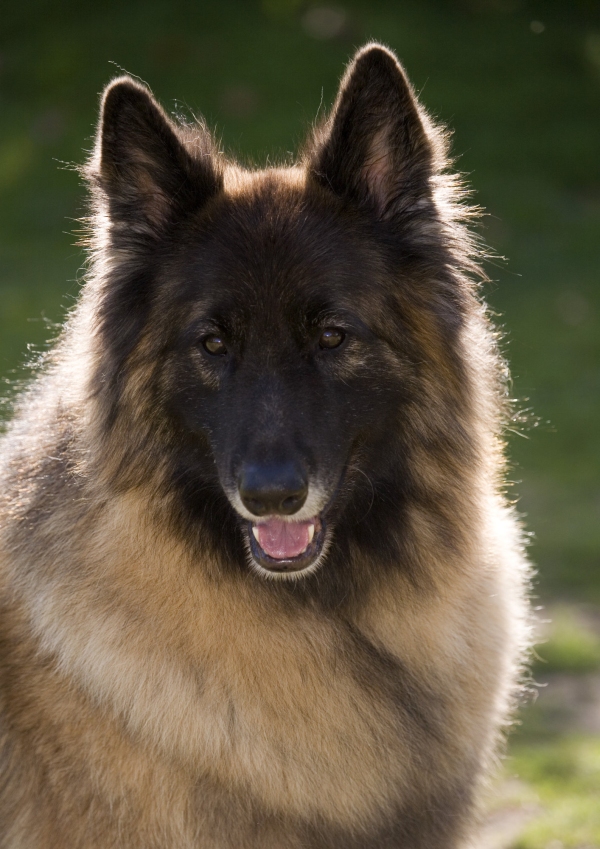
pixel 519 82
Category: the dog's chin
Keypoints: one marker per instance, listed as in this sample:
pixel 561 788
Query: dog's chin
pixel 281 565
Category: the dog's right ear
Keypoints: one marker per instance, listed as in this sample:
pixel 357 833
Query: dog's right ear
pixel 141 165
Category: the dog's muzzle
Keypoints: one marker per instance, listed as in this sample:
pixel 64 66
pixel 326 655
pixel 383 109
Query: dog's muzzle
pixel 274 493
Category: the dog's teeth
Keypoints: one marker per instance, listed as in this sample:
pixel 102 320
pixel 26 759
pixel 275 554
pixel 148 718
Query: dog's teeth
pixel 255 532
pixel 311 533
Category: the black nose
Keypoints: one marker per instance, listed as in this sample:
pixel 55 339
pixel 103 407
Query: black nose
pixel 278 488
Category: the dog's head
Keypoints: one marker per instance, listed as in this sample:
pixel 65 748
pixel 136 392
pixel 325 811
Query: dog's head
pixel 272 345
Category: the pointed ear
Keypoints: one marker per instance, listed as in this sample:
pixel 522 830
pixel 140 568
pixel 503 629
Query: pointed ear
pixel 378 147
pixel 147 169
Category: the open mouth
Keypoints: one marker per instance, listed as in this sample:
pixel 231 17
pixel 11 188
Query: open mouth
pixel 285 547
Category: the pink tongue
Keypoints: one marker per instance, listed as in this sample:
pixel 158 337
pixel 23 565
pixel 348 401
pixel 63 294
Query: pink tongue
pixel 282 540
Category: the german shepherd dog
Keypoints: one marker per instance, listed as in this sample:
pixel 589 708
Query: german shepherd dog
pixel 260 585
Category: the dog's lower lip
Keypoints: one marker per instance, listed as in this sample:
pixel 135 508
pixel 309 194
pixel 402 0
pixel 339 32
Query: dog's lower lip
pixel 298 563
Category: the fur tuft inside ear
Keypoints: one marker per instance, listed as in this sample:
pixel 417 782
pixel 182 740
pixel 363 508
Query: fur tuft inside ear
pixel 149 170
pixel 378 147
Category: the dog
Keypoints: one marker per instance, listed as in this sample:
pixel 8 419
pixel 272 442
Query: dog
pixel 261 587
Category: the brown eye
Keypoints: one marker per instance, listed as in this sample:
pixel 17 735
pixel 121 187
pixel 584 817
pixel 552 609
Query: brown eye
pixel 214 345
pixel 331 337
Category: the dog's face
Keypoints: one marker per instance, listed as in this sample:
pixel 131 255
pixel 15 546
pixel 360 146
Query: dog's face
pixel 268 312
pixel 276 360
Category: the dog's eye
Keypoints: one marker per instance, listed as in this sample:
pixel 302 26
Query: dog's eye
pixel 331 337
pixel 214 345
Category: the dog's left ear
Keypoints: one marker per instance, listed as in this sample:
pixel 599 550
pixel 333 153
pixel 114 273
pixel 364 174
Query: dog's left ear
pixel 378 147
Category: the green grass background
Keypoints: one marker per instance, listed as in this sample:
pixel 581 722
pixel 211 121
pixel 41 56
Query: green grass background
pixel 519 82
